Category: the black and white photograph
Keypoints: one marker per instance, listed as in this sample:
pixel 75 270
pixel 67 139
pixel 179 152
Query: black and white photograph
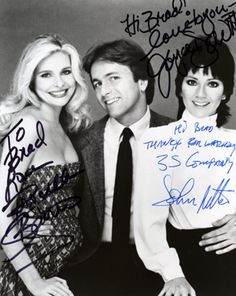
pixel 117 148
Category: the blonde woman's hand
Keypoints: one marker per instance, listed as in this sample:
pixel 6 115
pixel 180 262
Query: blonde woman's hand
pixel 47 287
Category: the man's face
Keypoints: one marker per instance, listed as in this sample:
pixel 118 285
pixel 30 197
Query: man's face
pixel 118 93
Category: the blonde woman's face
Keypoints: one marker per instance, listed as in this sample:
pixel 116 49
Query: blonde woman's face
pixel 54 81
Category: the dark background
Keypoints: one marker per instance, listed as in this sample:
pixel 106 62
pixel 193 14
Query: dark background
pixel 86 22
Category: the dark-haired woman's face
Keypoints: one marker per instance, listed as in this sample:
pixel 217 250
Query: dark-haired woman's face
pixel 202 93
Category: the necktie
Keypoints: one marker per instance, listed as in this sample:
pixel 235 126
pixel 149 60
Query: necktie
pixel 122 192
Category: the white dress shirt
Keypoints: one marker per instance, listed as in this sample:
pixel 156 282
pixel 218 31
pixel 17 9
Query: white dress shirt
pixel 186 173
pixel 112 139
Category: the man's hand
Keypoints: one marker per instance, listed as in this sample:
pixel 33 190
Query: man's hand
pixel 177 287
pixel 54 286
pixel 223 239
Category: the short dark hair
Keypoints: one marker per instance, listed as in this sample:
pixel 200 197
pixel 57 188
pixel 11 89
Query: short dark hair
pixel 208 53
pixel 125 52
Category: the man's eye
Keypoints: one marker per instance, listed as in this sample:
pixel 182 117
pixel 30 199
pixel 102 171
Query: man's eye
pixel 213 84
pixel 96 84
pixel 114 77
pixel 45 75
pixel 191 82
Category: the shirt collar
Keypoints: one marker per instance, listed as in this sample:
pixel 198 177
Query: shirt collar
pixel 115 128
pixel 205 120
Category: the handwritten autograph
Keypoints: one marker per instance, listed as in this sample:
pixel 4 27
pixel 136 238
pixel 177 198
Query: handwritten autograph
pixel 193 161
pixel 150 23
pixel 217 197
pixel 16 155
pixel 211 198
pixel 21 213
pixel 147 21
pixel 175 195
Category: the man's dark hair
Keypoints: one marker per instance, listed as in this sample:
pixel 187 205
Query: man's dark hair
pixel 208 53
pixel 124 52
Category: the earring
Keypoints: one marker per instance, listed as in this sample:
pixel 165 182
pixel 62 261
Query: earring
pixel 143 85
pixel 223 98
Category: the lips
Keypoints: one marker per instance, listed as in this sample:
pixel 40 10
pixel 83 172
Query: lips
pixel 58 93
pixel 200 104
pixel 111 101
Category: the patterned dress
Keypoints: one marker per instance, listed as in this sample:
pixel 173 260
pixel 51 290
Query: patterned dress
pixel 47 195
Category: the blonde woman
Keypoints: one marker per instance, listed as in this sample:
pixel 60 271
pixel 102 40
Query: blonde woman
pixel 39 167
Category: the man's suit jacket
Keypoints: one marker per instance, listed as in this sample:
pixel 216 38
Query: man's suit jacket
pixel 91 187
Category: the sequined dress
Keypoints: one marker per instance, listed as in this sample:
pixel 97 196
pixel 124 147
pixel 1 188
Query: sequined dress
pixel 50 197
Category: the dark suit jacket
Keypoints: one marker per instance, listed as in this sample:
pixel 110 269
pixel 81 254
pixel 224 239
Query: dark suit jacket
pixel 90 148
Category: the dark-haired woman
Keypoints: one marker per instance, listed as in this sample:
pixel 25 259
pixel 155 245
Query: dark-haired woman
pixel 187 175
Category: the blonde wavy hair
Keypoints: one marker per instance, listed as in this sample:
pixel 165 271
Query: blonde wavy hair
pixel 22 93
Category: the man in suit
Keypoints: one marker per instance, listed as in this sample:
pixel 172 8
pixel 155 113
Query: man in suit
pixel 124 85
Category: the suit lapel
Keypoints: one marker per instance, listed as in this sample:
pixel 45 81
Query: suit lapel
pixel 93 154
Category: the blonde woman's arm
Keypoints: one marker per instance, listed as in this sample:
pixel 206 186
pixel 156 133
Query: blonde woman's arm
pixel 19 147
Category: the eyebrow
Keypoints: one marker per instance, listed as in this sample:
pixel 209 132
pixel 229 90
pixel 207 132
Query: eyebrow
pixel 195 78
pixel 106 75
pixel 189 76
pixel 43 71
